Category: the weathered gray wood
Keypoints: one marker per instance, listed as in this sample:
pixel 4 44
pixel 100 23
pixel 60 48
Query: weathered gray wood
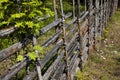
pixel 49 56
pixel 18 46
pixel 31 75
pixel 17 67
pixel 99 17
pixel 51 53
pixel 83 17
pixel 14 48
pixel 74 67
pixel 92 12
pixel 85 40
pixel 84 24
pixel 85 36
pixel 84 58
pixel 44 61
pixel 51 39
pixel 55 36
pixel 72 61
pixel 53 67
pixel 11 30
pixel 9 51
pixel 55 9
pixel 73 8
pixel 38 67
pixel 53 24
pixel 7 31
pixel 59 71
pixel 63 77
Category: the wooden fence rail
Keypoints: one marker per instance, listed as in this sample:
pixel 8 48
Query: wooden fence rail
pixel 71 42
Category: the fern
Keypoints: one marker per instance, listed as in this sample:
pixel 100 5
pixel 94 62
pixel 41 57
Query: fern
pixel 23 15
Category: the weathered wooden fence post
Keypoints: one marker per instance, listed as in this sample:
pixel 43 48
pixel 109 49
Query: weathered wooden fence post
pixel 107 10
pixel 73 8
pixel 106 7
pixel 103 14
pixel 97 23
pixel 115 4
pixel 55 9
pixel 91 23
pixel 38 59
pixel 102 18
pixel 85 5
pixel 79 33
pixel 67 71
pixel 55 14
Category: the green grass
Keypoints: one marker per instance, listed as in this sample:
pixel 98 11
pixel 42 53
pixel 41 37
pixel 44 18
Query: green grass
pixel 96 59
pixel 116 17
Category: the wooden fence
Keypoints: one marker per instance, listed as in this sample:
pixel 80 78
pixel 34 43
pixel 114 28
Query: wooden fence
pixel 71 42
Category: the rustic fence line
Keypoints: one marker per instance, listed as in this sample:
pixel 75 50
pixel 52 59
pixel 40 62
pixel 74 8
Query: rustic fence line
pixel 73 46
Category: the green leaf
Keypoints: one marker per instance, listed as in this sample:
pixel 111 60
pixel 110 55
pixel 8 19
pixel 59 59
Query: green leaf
pixel 48 11
pixel 1 15
pixel 4 23
pixel 75 52
pixel 37 32
pixel 33 3
pixel 39 48
pixel 17 15
pixel 32 55
pixel 40 13
pixel 30 24
pixel 19 58
pixel 32 15
pixel 3 1
pixel 19 24
pixel 27 16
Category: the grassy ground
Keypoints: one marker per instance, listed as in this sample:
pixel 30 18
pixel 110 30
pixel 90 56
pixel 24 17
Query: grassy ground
pixel 104 64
